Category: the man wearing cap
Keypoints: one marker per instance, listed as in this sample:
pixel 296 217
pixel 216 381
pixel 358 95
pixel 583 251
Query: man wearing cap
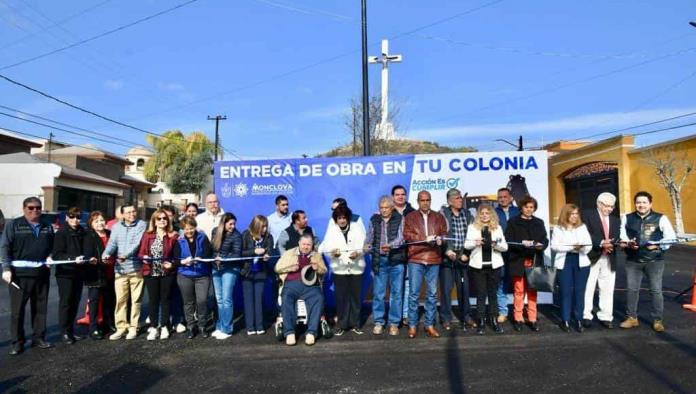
pixel 290 268
pixel 604 231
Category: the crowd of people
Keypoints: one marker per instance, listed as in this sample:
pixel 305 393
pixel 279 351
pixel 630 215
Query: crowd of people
pixel 178 259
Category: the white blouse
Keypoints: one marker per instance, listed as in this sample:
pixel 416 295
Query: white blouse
pixel 562 240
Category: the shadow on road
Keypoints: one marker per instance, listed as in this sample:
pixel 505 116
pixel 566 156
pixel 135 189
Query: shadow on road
pixel 129 377
pixel 454 366
pixel 6 385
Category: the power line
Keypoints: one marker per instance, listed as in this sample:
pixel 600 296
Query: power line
pixel 64 124
pixel 67 131
pixel 664 129
pixel 59 142
pixel 317 63
pixel 56 24
pixel 98 36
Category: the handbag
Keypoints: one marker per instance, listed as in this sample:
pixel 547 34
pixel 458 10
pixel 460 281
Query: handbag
pixel 541 277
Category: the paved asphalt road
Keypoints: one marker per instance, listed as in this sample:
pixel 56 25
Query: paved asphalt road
pixel 599 360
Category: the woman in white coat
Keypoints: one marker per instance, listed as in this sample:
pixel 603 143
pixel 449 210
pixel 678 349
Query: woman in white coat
pixel 486 241
pixel 571 242
pixel 343 244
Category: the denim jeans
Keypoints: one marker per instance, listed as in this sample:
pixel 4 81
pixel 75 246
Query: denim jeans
pixel 394 275
pixel 572 280
pixel 501 295
pixel 224 280
pixel 634 275
pixel 404 293
pixel 418 272
pixel 314 301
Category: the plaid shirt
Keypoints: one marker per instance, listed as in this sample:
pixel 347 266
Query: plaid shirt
pixel 458 226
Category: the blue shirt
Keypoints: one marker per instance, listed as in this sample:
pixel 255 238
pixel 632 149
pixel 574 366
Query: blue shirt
pixel 503 218
pixel 277 224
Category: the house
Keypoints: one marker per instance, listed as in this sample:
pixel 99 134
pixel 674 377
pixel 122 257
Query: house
pixel 11 143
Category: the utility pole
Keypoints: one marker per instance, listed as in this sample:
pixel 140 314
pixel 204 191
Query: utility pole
pixel 50 142
pixel 365 90
pixel 217 120
pixel 519 145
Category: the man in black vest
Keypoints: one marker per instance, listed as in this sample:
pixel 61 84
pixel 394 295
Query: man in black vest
pixel 641 232
pixel 384 241
pixel 27 243
pixel 290 237
pixel 604 231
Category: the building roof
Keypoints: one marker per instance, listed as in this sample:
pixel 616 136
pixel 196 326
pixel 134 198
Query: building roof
pixel 664 144
pixel 131 180
pixel 89 151
pixel 6 136
pixel 139 151
pixel 66 172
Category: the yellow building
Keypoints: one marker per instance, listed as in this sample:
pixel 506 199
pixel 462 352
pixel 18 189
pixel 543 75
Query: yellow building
pixel 579 171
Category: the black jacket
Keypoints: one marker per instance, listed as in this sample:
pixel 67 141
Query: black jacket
pixel 518 230
pixel 231 245
pixel 594 225
pixel 248 246
pixel 94 274
pixel 18 242
pixel 67 245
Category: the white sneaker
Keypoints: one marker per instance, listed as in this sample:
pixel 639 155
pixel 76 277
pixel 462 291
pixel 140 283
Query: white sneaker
pixel 132 333
pixel 164 333
pixel 221 335
pixel 309 340
pixel 147 320
pixel 152 334
pixel 261 332
pixel 180 328
pixel 290 340
pixel 216 333
pixel 251 332
pixel 117 335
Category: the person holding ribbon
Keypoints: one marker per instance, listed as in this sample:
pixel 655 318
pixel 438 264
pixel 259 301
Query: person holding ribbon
pixel 294 267
pixel 124 243
pixel 641 234
pixel 99 277
pixel 572 242
pixel 257 245
pixel 25 247
pixel 68 245
pixel 193 275
pixel 423 233
pixel 527 240
pixel 486 241
pixel 343 243
pixel 156 252
pixel 227 244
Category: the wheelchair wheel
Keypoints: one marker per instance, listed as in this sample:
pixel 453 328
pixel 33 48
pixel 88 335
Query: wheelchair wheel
pixel 279 331
pixel 326 330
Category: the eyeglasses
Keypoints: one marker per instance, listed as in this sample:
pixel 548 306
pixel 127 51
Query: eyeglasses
pixel 33 207
pixel 163 218
pixel 73 216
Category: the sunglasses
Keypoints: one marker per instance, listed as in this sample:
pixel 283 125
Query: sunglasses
pixel 163 218
pixel 33 207
pixel 73 216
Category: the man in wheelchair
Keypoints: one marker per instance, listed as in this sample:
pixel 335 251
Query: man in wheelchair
pixel 300 269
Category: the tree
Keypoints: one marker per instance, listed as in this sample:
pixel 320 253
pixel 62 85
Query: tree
pixel 191 173
pixel 354 123
pixel 672 172
pixel 179 160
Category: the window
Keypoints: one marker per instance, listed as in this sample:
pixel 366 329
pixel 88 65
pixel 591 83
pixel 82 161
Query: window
pixel 140 164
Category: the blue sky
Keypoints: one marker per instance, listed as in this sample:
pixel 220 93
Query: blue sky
pixel 546 69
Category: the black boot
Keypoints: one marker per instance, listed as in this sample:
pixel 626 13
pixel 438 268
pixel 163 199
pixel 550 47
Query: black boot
pixel 496 327
pixel 481 326
pixel 564 326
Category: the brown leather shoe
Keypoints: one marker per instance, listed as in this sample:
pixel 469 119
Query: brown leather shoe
pixel 412 332
pixel 432 332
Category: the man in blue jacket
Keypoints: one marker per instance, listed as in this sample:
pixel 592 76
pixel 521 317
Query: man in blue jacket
pixel 124 243
pixel 505 211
